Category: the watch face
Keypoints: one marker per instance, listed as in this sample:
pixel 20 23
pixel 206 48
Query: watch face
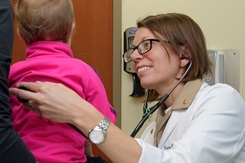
pixel 96 136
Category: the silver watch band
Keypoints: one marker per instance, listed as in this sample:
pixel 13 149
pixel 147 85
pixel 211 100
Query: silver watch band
pixel 104 124
pixel 98 133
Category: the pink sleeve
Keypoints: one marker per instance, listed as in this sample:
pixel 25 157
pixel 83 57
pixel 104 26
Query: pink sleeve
pixel 95 94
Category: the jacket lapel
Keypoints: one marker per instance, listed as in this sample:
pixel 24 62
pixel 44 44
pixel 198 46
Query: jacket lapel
pixel 182 102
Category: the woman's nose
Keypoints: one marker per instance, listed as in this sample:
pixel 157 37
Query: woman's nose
pixel 136 56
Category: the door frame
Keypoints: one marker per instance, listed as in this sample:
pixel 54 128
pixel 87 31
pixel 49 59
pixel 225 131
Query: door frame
pixel 117 59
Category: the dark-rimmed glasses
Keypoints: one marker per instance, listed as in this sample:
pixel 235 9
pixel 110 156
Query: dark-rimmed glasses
pixel 143 47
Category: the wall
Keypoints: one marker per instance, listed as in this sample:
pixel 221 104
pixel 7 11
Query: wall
pixel 223 23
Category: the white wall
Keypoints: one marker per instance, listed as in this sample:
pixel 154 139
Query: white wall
pixel 223 24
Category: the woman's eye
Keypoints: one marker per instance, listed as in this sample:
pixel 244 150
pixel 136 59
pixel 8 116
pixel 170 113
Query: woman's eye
pixel 146 44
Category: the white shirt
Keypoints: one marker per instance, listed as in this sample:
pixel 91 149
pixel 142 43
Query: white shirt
pixel 211 130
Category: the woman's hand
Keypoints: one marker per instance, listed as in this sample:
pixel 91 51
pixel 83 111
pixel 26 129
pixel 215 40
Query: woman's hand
pixel 53 101
pixel 58 103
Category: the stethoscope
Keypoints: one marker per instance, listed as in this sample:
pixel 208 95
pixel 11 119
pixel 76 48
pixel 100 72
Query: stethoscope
pixel 151 110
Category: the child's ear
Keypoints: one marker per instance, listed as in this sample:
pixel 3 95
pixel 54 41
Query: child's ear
pixel 18 33
pixel 73 26
pixel 69 38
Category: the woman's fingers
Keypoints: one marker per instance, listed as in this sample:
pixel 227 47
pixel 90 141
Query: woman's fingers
pixel 52 100
pixel 32 86
pixel 23 94
pixel 31 105
pixel 33 90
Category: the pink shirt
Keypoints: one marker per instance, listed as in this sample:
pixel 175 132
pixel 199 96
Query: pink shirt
pixel 53 61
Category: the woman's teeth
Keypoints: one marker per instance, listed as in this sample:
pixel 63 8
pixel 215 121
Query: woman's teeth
pixel 143 68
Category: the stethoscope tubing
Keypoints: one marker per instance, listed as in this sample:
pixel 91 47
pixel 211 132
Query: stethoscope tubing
pixel 158 104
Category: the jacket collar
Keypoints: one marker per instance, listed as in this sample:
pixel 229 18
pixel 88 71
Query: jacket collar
pixel 183 101
pixel 187 94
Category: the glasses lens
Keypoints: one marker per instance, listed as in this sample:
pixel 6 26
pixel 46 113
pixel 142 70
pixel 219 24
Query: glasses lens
pixel 127 55
pixel 144 46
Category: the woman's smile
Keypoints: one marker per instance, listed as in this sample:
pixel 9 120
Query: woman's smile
pixel 144 68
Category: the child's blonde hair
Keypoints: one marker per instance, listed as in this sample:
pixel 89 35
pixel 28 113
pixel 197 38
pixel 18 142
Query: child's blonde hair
pixel 39 20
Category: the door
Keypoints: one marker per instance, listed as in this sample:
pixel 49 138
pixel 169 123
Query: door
pixel 92 40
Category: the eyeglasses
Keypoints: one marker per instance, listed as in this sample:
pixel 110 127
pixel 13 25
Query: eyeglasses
pixel 143 47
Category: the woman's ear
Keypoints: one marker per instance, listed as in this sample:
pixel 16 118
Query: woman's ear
pixel 184 56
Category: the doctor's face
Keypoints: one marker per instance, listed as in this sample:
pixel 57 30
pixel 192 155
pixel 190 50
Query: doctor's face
pixel 154 59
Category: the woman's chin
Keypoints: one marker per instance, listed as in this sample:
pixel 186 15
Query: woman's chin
pixel 145 85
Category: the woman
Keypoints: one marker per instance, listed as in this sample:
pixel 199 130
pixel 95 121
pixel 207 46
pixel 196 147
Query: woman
pixel 206 123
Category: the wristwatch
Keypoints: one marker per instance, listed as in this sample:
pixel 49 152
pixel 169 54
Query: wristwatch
pixel 97 134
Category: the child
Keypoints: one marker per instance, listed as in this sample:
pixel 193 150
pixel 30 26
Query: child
pixel 46 26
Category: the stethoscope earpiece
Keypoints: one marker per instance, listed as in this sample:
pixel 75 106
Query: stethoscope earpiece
pixel 183 57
